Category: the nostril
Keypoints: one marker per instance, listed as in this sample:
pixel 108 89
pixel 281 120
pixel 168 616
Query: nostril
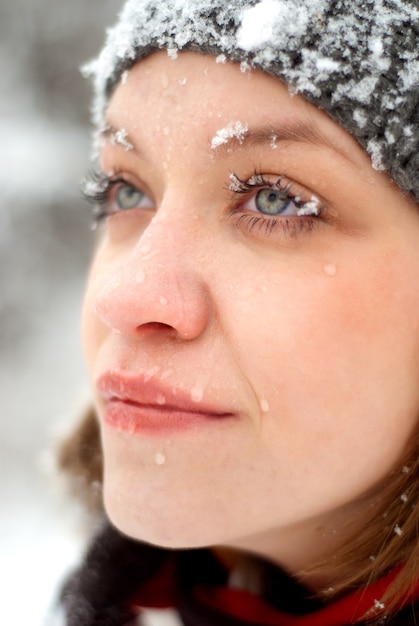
pixel 155 327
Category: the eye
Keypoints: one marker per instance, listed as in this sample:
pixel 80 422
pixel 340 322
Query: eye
pixel 124 196
pixel 272 202
pixel 276 198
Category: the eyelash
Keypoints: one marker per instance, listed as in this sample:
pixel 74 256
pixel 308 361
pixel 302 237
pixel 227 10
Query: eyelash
pixel 95 190
pixel 97 186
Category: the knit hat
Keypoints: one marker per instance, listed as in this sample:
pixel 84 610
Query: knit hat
pixel 356 59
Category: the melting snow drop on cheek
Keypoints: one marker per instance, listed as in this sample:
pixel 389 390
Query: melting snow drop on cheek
pixel 330 269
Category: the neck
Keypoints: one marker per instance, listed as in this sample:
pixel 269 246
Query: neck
pixel 306 551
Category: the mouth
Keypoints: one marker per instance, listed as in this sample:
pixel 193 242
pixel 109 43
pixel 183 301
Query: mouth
pixel 136 406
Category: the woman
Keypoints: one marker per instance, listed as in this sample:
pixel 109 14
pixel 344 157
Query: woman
pixel 251 320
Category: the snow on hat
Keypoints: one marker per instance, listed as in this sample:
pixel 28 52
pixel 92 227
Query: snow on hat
pixel 356 59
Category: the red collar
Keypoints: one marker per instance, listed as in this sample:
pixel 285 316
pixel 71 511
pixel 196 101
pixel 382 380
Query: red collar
pixel 160 592
pixel 350 609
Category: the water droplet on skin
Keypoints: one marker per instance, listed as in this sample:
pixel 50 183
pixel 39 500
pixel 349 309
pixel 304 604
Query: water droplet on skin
pixel 151 255
pixel 160 399
pixel 153 371
pixel 160 458
pixel 329 269
pixel 140 277
pixel 264 406
pixel 156 219
pixel 197 393
pixel 145 248
pixel 163 301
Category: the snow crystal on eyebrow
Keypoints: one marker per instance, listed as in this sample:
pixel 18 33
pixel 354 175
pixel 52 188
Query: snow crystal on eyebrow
pixel 221 59
pixel 233 129
pixel 120 138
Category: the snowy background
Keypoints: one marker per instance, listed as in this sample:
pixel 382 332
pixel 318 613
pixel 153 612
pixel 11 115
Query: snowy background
pixel 45 246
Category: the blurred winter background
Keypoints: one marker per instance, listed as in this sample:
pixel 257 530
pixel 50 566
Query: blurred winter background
pixel 45 245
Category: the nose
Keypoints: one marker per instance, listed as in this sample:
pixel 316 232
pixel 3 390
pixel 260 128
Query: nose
pixel 156 288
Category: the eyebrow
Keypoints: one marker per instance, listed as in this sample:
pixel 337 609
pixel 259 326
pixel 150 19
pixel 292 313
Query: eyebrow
pixel 297 132
pixel 300 132
pixel 119 137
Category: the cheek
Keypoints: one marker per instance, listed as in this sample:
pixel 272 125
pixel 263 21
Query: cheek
pixel 327 351
pixel 93 331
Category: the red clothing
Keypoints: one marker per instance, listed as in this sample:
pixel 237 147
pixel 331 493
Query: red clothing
pixel 120 576
pixel 235 606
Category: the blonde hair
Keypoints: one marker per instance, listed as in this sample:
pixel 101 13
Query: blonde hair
pixel 389 540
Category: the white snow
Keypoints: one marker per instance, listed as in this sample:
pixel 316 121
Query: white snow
pixel 310 208
pixel 120 137
pixel 360 117
pixel 272 21
pixel 233 129
pixel 374 150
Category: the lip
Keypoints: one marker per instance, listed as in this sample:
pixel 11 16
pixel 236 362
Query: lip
pixel 135 405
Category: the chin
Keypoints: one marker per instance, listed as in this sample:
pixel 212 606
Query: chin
pixel 165 527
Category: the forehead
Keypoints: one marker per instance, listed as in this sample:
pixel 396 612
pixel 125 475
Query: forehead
pixel 196 95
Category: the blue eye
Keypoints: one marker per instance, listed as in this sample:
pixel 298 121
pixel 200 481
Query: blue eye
pixel 272 201
pixel 127 197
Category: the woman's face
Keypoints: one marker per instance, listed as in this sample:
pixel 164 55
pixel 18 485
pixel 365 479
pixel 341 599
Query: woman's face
pixel 251 321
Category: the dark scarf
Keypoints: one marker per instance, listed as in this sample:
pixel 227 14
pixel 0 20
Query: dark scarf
pixel 119 575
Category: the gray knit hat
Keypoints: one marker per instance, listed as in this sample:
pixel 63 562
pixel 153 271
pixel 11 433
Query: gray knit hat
pixel 356 59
